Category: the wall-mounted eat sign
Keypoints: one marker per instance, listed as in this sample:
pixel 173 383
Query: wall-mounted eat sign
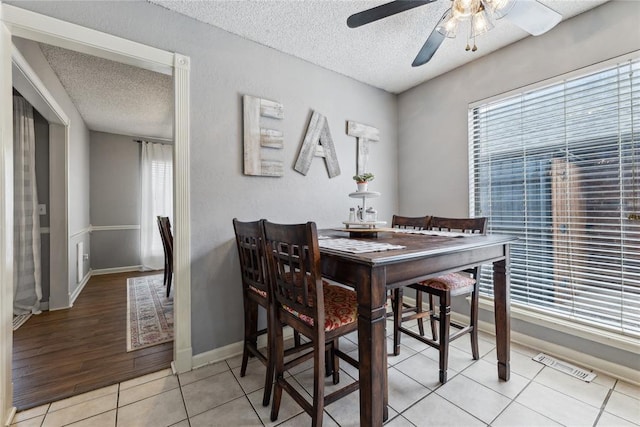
pixel 317 141
pixel 257 137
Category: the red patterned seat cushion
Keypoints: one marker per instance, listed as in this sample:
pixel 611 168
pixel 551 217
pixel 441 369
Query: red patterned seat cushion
pixel 260 292
pixel 450 281
pixel 340 307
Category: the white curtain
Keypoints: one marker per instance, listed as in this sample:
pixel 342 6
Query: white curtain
pixel 27 287
pixel 157 200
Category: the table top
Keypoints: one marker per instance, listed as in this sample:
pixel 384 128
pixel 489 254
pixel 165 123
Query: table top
pixel 416 245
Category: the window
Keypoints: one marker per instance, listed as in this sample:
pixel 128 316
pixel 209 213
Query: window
pixel 559 167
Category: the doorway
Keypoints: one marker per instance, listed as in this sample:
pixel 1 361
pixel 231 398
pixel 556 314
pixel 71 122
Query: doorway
pixel 33 26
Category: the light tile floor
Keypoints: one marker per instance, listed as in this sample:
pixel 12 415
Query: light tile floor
pixel 216 395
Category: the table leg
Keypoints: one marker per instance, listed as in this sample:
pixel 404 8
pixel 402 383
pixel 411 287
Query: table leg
pixel 502 303
pixel 372 347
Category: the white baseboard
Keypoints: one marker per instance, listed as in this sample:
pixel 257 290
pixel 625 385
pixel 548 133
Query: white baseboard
pixel 584 360
pixel 79 289
pixel 229 351
pixel 101 271
pixel 615 370
pixel 12 413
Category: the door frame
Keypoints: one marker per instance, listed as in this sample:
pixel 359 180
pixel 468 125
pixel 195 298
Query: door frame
pixel 15 21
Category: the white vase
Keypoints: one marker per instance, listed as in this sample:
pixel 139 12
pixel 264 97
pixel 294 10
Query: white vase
pixel 362 186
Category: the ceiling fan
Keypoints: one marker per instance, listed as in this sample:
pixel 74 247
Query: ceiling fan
pixel 530 15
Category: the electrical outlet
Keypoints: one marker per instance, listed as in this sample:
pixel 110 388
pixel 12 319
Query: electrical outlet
pixel 42 209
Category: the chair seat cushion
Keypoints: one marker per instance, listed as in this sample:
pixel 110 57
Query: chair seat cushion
pixel 340 307
pixel 450 282
pixel 260 292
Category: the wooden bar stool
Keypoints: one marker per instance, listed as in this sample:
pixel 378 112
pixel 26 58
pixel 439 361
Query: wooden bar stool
pixel 255 293
pixel 318 310
pixel 443 287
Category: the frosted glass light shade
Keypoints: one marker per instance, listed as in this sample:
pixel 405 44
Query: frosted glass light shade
pixel 449 27
pixel 463 9
pixel 481 23
pixel 499 7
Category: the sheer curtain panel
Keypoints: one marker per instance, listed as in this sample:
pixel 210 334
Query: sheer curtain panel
pixel 27 287
pixel 157 199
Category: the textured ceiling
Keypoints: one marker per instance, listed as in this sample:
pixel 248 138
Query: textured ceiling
pixel 117 98
pixel 379 53
pixel 114 97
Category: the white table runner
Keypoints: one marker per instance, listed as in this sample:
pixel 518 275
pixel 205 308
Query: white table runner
pixel 356 246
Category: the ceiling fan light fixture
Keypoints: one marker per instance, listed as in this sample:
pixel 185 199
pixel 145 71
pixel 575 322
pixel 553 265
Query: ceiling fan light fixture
pixel 499 8
pixel 481 22
pixel 449 27
pixel 464 9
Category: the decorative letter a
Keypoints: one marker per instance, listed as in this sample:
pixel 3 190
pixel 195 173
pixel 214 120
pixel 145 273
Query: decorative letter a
pixel 317 142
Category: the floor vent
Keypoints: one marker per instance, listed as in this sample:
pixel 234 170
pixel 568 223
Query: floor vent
pixel 565 367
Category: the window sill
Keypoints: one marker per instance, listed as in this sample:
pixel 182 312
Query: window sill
pixel 558 324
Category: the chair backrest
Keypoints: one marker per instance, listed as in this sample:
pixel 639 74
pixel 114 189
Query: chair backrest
pixel 464 225
pixel 415 223
pixel 250 242
pixel 293 259
pixel 167 238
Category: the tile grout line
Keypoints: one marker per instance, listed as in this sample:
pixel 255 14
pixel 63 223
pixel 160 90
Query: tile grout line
pixel 513 400
pixel 118 403
pixel 184 403
pixel 246 395
pixel 604 403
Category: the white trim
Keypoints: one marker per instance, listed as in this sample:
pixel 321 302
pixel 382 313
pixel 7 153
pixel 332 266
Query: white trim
pixel 182 349
pixel 12 414
pixel 574 328
pixel 584 360
pixel 552 80
pixel 216 355
pixel 7 411
pixel 232 350
pixel 576 357
pixel 102 271
pixel 79 288
pixel 44 102
pixel 93 228
pixel 41 28
pixel 80 232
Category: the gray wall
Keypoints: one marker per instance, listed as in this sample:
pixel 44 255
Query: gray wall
pixel 115 200
pixel 41 132
pixel 433 116
pixel 223 68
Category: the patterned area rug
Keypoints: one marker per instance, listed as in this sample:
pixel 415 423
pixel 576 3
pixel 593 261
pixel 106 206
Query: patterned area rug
pixel 150 312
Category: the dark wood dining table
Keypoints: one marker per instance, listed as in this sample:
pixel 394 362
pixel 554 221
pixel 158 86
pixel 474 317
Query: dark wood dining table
pixel 372 274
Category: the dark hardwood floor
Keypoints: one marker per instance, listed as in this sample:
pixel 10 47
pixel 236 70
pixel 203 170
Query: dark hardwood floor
pixel 62 353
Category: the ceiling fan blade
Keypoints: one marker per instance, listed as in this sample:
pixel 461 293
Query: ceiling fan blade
pixel 431 45
pixel 533 17
pixel 382 11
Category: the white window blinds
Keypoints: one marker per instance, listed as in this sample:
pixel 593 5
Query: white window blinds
pixel 559 167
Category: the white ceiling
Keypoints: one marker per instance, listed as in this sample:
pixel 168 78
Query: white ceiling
pixel 118 98
pixel 378 53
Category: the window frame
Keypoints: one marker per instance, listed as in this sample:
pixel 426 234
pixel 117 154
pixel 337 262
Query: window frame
pixel 527 313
